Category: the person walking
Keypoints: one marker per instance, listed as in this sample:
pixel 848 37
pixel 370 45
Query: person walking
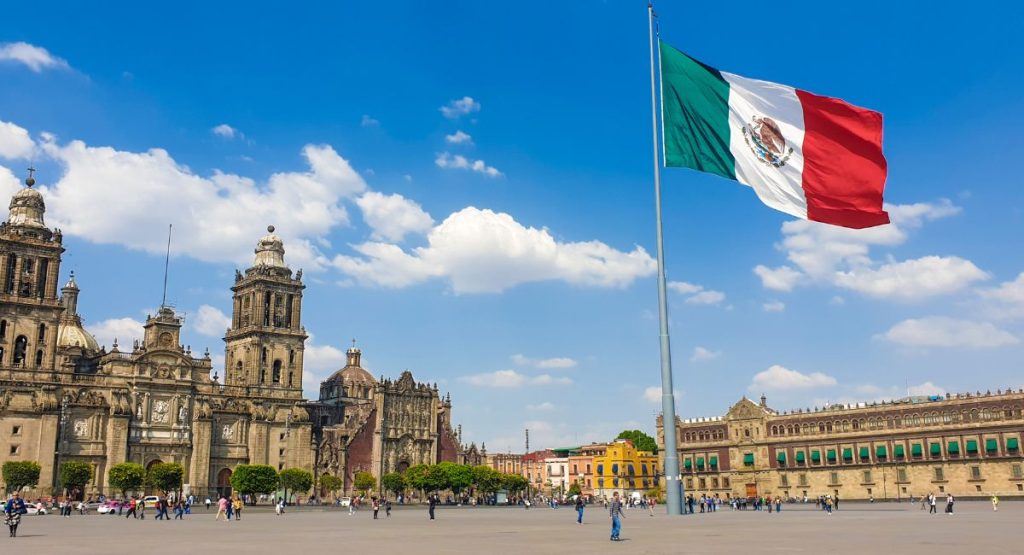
pixel 131 509
pixel 387 508
pixel 995 502
pixel 222 507
pixel 207 503
pixel 230 509
pixel 931 503
pixel 237 506
pixel 949 504
pixel 615 511
pixel 13 509
pixel 579 509
pixel 433 503
pixel 179 510
pixel 376 507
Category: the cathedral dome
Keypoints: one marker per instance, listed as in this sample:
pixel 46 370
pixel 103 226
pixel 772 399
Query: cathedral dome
pixel 270 250
pixel 27 207
pixel 72 334
pixel 353 373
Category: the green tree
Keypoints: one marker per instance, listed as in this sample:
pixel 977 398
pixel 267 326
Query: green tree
pixel 455 477
pixel 251 479
pixel 20 474
pixel 166 477
pixel 74 475
pixel 574 489
pixel 393 482
pixel 654 493
pixel 295 479
pixel 487 479
pixel 641 441
pixel 514 483
pixel 126 476
pixel 364 482
pixel 331 484
pixel 417 476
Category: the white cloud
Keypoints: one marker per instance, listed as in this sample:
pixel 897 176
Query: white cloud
pixel 125 330
pixel 15 142
pixel 913 279
pixel 106 196
pixel 940 331
pixel 774 306
pixel 211 321
pixel 837 300
pixel 480 251
pixel 367 121
pixel 696 294
pixel 824 254
pixel 33 57
pixel 225 131
pixel 458 137
pixel 557 362
pixel 1007 300
pixel 780 378
pixel 546 406
pixel 446 160
pixel 782 278
pixel 701 354
pixel 9 184
pixel 510 379
pixel 544 363
pixel 460 107
pixel 926 388
pixel 393 216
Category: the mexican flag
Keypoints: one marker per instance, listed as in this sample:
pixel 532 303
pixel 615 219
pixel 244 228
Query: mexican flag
pixel 810 156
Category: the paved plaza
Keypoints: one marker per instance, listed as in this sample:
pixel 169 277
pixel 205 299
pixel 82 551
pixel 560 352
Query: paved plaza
pixel 857 528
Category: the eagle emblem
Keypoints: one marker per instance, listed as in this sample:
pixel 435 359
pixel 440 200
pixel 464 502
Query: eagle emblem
pixel 764 138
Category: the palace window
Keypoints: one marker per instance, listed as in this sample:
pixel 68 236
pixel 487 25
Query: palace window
pixel 725 482
pixel 939 475
pixel 867 476
pixel 703 483
pixel 901 475
pixel 803 479
pixel 833 477
pixel 975 472
pixel 714 483
pixel 784 480
pixel 689 483
pixel 1016 471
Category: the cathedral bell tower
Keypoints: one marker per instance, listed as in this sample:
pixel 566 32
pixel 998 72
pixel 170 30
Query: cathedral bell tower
pixel 266 338
pixel 29 263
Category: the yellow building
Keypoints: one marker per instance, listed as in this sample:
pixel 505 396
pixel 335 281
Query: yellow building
pixel 624 469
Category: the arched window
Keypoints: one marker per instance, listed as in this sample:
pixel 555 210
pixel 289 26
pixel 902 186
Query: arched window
pixel 263 375
pixel 291 378
pixel 276 376
pixel 39 358
pixel 238 370
pixel 12 261
pixel 263 357
pixel 20 345
pixel 291 357
pixel 42 333
pixel 3 330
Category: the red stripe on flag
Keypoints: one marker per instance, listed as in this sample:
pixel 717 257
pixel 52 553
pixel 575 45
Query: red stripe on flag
pixel 844 168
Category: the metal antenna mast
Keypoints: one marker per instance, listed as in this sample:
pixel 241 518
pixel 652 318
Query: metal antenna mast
pixel 167 264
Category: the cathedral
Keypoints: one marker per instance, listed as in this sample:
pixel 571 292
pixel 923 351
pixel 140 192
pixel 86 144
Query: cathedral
pixel 65 398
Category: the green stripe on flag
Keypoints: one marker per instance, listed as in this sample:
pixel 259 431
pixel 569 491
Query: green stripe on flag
pixel 695 114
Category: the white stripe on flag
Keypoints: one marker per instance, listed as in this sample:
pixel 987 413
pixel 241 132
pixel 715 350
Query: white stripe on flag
pixel 777 187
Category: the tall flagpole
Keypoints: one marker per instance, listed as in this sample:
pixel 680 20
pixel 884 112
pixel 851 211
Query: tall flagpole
pixel 673 479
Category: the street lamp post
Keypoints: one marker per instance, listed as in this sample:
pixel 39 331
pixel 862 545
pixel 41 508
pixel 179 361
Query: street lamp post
pixel 60 441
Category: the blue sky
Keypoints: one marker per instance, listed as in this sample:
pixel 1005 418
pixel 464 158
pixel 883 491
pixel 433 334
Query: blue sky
pixel 467 187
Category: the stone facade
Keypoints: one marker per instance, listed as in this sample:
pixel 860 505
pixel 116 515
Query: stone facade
pixel 381 426
pixel 964 444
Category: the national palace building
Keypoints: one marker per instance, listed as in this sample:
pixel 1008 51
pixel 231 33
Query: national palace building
pixel 967 444
pixel 151 399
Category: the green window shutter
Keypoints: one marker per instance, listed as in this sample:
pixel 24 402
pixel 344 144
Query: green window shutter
pixel 898 450
pixel 1012 444
pixel 848 454
pixel 954 447
pixel 991 445
pixel 800 456
pixel 881 452
pixel 972 446
pixel 816 456
pixel 781 457
pixel 714 462
pixel 748 459
pixel 700 463
pixel 688 464
pixel 916 449
pixel 831 455
pixel 865 453
pixel 936 449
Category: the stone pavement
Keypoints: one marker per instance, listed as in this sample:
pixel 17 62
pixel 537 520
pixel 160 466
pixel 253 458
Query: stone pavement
pixel 857 528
